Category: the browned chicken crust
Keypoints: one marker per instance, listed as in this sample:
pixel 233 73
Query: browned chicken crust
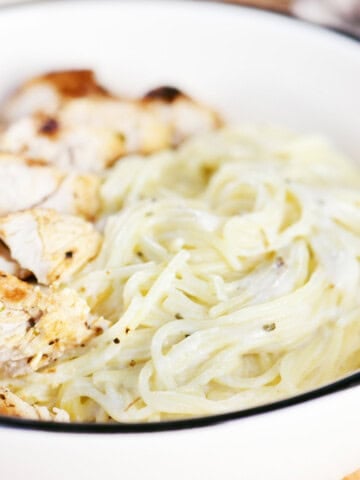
pixel 50 90
pixel 72 83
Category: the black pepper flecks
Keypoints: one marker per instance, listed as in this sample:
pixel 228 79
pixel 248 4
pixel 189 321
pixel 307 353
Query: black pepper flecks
pixel 269 327
pixel 279 262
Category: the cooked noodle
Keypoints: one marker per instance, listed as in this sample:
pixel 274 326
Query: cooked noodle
pixel 230 275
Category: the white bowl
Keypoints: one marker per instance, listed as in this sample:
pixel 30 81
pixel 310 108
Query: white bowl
pixel 253 66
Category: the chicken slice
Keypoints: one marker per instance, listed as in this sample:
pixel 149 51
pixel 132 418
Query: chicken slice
pixel 46 93
pixel 72 148
pixel 12 406
pixel 185 116
pixel 141 130
pixel 162 119
pixel 38 326
pixel 26 183
pixel 78 194
pixel 51 245
pixel 89 130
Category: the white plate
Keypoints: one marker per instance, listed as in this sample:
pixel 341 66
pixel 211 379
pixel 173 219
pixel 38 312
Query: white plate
pixel 254 67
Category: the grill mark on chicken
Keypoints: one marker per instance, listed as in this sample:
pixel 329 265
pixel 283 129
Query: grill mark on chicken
pixel 14 295
pixel 49 126
pixel 166 93
pixel 36 162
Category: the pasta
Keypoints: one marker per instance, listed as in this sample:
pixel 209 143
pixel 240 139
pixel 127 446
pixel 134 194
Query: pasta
pixel 229 275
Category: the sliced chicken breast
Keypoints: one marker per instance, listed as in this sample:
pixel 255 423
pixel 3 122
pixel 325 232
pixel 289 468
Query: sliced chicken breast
pixel 47 93
pixel 78 194
pixel 86 128
pixel 79 148
pixel 140 129
pixel 38 326
pixel 26 184
pixel 12 406
pixel 184 116
pixel 51 245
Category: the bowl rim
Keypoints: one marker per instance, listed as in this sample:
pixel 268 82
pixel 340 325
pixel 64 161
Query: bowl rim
pixel 345 383
pixel 222 4
pixel 351 381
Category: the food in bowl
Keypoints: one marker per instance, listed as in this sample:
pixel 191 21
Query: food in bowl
pixel 158 265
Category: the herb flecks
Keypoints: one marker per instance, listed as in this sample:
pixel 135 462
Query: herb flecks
pixel 279 262
pixel 269 327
